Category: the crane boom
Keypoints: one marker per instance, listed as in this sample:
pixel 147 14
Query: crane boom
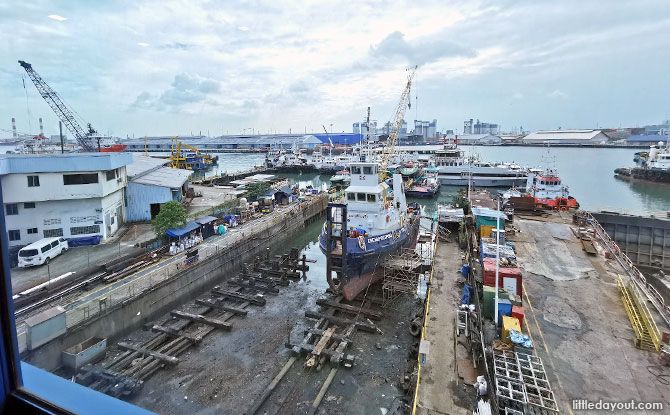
pixel 65 114
pixel 398 117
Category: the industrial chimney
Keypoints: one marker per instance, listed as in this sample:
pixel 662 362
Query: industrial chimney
pixel 41 127
pixel 14 135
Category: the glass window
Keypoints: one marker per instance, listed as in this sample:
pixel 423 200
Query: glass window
pixel 86 178
pixel 82 230
pixel 355 170
pixel 45 248
pixel 351 196
pixel 53 233
pixel 111 174
pixel 54 244
pixel 29 205
pixel 27 253
pixel 12 208
pixel 33 181
pixel 367 170
pixel 32 231
pixel 14 235
pixel 372 198
pixel 360 197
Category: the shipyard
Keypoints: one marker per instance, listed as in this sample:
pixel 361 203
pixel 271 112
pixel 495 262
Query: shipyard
pixel 301 209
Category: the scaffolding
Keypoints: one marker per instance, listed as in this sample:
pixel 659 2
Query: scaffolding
pixel 401 275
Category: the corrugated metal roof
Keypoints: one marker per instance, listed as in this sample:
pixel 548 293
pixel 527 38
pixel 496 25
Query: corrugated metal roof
pixel 648 138
pixel 563 135
pixel 267 140
pixel 164 177
pixel 44 316
pixel 143 164
pixel 185 230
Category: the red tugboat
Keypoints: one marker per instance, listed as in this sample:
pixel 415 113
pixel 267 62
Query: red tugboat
pixel 544 190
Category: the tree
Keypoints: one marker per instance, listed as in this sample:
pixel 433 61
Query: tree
pixel 255 190
pixel 171 215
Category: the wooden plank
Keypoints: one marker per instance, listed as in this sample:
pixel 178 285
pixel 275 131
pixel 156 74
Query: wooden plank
pixel 160 356
pixel 342 321
pixel 244 297
pixel 350 308
pixel 202 319
pixel 338 337
pixel 253 286
pixel 219 306
pixel 176 333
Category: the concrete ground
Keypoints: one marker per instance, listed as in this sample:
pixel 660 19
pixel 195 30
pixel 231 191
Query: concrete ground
pixel 79 258
pixel 442 389
pixel 211 197
pixel 576 318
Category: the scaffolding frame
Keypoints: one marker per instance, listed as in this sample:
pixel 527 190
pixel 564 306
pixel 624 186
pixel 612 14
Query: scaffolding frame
pixel 401 275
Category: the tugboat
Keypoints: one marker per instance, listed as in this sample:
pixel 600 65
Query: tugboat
pixel 543 190
pixel 425 188
pixel 371 224
pixel 653 166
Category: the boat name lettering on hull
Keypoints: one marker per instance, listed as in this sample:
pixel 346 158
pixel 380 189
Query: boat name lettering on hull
pixel 374 239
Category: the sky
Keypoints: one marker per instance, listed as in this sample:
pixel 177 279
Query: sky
pixel 136 68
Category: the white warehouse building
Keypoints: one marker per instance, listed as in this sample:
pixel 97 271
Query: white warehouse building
pixel 69 195
pixel 571 137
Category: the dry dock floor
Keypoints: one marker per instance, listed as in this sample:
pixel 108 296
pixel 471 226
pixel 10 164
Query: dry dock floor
pixel 577 321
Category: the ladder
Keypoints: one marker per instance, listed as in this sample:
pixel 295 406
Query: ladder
pixel 336 244
pixel 647 335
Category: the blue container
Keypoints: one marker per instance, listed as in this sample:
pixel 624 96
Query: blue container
pixel 465 270
pixel 504 309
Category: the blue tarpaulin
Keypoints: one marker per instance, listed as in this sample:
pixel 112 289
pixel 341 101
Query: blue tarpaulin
pixel 84 241
pixel 467 294
pixel 206 219
pixel 183 231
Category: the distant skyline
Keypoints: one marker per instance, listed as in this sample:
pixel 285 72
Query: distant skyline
pixel 176 67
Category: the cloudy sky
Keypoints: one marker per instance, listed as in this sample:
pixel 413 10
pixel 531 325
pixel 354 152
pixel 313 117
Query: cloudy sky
pixel 163 67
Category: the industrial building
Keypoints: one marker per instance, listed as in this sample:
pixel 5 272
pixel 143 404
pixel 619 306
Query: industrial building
pixel 150 184
pixel 471 127
pixel 228 143
pixel 566 137
pixel 425 129
pixel 479 139
pixel 646 139
pixel 70 195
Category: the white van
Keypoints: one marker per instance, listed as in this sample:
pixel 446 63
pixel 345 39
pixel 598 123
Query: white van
pixel 42 251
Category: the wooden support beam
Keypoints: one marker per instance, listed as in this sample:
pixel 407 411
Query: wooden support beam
pixel 171 360
pixel 254 286
pixel 176 333
pixel 202 319
pixel 219 306
pixel 350 308
pixel 318 332
pixel 244 297
pixel 342 321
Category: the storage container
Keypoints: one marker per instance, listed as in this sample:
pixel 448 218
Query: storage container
pixel 519 313
pixel 509 323
pixel 504 309
pixel 89 351
pixel 44 327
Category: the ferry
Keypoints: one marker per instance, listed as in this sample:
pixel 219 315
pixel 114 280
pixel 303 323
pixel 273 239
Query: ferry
pixel 456 170
pixel 370 224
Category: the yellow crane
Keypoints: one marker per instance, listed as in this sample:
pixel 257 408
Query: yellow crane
pixel 398 117
pixel 197 161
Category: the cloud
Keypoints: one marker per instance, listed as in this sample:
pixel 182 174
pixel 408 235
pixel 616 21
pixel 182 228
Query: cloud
pixel 57 18
pixel 185 89
pixel 143 44
pixel 418 51
pixel 557 93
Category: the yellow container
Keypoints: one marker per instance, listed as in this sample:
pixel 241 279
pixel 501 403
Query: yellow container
pixel 509 323
pixel 485 231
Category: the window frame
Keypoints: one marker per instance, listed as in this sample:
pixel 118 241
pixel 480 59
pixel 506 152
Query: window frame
pixel 18 232
pixel 82 178
pixel 15 212
pixel 35 180
pixel 28 231
pixel 29 205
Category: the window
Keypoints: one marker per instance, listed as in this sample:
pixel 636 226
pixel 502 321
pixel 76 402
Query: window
pixel 83 230
pixel 29 205
pixel 32 231
pixel 367 170
pixel 12 209
pixel 360 197
pixel 111 174
pixel 351 196
pixel 355 170
pixel 371 198
pixel 87 178
pixel 45 248
pixel 54 244
pixel 14 235
pixel 53 233
pixel 33 181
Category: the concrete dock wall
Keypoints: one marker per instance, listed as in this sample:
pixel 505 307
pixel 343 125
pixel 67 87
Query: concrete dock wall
pixel 122 318
pixel 646 240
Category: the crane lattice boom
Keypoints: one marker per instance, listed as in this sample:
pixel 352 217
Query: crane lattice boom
pixel 399 116
pixel 62 111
